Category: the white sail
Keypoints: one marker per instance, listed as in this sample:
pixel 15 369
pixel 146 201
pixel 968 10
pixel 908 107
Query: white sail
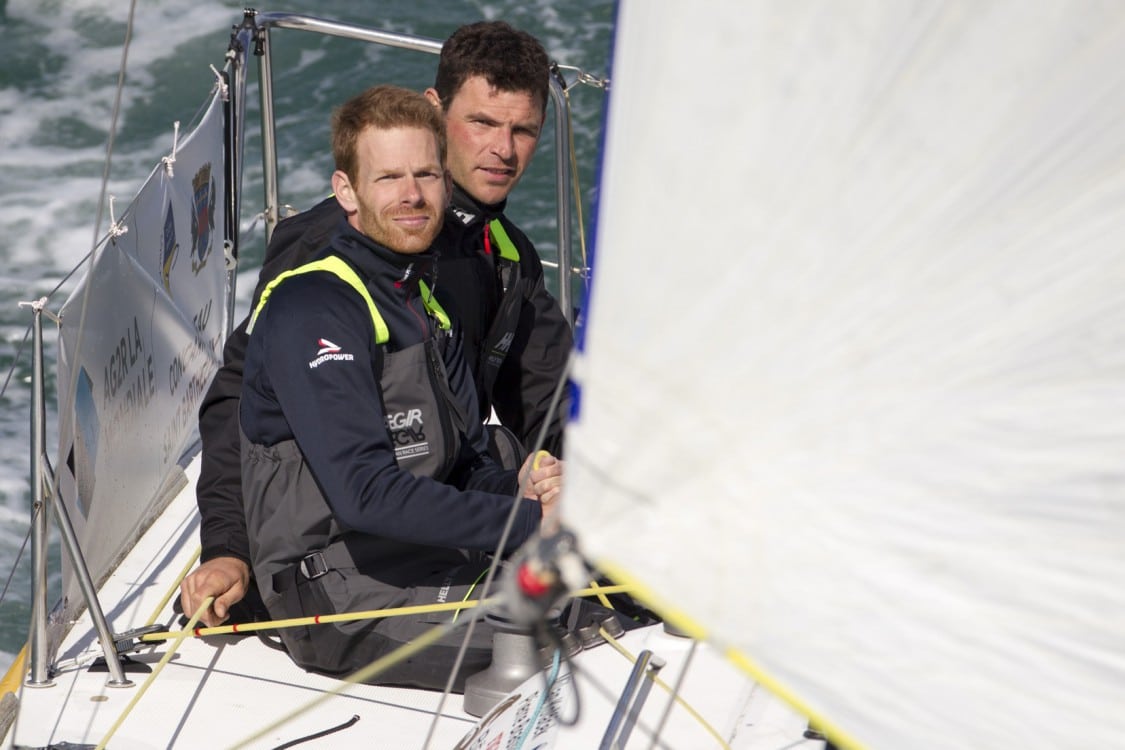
pixel 853 381
pixel 141 337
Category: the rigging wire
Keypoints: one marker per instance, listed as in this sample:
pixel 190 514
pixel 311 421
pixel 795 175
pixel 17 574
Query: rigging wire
pixel 19 555
pixel 15 361
pixel 72 391
pixel 540 439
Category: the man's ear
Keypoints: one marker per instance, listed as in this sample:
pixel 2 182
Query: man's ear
pixel 345 193
pixel 432 94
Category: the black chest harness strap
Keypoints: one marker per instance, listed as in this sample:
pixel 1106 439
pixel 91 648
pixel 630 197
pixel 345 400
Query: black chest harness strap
pixel 515 288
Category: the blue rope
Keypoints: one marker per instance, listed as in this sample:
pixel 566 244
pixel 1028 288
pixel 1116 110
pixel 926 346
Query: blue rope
pixel 542 700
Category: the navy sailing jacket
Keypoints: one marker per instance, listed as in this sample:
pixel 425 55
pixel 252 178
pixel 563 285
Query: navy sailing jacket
pixel 315 373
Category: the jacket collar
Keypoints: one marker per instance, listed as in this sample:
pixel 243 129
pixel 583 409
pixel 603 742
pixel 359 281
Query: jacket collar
pixel 468 211
pixel 378 262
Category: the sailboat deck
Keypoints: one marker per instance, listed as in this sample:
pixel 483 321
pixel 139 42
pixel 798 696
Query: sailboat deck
pixel 221 690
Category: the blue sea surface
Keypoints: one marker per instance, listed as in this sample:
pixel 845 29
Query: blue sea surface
pixel 58 83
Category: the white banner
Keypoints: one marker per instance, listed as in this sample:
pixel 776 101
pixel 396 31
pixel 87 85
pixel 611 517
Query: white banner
pixel 137 367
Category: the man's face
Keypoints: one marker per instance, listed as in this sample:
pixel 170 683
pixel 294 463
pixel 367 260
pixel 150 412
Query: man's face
pixel 492 135
pixel 401 190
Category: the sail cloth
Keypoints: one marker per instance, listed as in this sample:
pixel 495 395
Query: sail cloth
pixel 136 370
pixel 853 383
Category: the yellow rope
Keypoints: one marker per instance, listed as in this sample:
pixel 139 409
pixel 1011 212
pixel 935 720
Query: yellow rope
pixel 250 627
pixel 683 703
pixel 175 587
pixel 601 595
pixel 693 629
pixel 469 593
pixel 156 670
pixel 376 667
pixel 293 622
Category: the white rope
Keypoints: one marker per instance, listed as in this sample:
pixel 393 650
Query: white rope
pixel 116 228
pixel 168 161
pixel 228 255
pixel 224 89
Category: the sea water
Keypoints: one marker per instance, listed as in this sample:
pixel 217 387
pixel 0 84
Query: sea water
pixel 58 83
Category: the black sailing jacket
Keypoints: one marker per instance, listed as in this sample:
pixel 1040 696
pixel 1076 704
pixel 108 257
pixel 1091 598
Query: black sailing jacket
pixel 468 284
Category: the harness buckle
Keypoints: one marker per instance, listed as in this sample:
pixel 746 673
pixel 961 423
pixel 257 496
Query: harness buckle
pixel 313 566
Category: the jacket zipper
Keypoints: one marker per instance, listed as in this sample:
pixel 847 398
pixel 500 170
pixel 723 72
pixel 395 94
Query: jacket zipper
pixel 436 380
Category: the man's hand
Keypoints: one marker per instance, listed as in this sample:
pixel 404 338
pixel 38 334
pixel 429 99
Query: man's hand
pixel 225 578
pixel 542 474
